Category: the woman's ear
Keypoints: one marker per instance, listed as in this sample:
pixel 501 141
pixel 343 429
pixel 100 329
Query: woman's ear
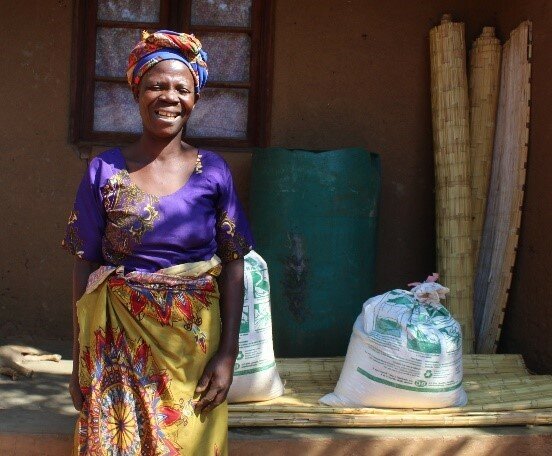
pixel 196 98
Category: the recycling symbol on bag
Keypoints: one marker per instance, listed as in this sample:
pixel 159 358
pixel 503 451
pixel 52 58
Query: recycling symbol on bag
pixel 428 374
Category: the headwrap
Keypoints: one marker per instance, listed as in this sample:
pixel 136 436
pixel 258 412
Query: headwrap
pixel 167 45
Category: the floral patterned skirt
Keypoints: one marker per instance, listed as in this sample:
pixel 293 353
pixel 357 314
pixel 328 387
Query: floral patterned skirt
pixel 144 342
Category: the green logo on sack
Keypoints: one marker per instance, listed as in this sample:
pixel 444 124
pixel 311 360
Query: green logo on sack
pixel 403 301
pixel 420 383
pixel 421 338
pixel 428 374
pixel 388 326
pixel 244 324
pixel 262 315
pixel 261 287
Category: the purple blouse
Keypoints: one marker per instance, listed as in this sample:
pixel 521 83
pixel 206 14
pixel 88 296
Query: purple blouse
pixel 116 223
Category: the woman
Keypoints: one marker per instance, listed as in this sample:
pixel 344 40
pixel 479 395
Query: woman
pixel 159 237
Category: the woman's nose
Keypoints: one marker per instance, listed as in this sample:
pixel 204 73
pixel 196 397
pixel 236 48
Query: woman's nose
pixel 169 95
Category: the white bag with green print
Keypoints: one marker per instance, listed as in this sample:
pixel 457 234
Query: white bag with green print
pixel 255 374
pixel 405 352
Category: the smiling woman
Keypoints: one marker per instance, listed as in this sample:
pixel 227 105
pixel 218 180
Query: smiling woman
pixel 159 236
pixel 166 98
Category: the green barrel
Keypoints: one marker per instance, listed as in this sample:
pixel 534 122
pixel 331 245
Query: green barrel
pixel 314 218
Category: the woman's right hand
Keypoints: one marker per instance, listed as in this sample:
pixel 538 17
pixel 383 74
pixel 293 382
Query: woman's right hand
pixel 76 393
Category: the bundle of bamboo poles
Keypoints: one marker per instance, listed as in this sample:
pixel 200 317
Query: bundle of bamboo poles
pixel 450 110
pixel 484 80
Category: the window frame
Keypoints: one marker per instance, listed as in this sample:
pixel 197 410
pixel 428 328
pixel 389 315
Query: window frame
pixel 174 15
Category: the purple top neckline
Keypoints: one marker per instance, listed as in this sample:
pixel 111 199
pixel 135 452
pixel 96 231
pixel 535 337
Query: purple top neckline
pixel 125 168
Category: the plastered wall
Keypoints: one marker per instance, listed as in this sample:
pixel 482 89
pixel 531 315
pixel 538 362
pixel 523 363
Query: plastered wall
pixel 38 168
pixel 346 73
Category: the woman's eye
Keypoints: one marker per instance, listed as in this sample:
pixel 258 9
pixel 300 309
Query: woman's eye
pixel 183 90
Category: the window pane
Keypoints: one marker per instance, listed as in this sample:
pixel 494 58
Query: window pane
pixel 112 48
pixel 115 109
pixel 235 13
pixel 129 10
pixel 229 55
pixel 220 113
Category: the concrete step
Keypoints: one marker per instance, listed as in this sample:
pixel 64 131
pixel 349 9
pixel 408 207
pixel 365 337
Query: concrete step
pixel 40 434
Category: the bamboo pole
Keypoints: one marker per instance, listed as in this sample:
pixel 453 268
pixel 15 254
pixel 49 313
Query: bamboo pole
pixel 399 420
pixel 484 81
pixel 450 112
pixel 490 407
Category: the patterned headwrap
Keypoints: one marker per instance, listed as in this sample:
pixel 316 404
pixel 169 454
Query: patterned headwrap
pixel 167 45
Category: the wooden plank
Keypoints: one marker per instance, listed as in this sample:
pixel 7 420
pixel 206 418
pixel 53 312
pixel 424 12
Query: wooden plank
pixel 503 216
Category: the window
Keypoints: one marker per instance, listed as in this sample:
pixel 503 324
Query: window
pixel 234 106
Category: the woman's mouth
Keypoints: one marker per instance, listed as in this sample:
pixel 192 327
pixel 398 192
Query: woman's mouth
pixel 167 115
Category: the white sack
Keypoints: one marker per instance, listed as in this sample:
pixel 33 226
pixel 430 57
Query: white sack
pixel 255 374
pixel 405 352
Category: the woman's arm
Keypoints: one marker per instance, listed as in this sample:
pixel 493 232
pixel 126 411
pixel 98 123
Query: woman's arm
pixel 217 376
pixel 81 270
pixel 231 303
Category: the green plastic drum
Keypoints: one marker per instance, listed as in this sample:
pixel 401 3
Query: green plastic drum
pixel 314 218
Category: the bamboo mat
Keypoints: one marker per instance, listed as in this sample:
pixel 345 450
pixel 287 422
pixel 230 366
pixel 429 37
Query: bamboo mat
pixel 503 216
pixel 484 78
pixel 500 389
pixel 451 148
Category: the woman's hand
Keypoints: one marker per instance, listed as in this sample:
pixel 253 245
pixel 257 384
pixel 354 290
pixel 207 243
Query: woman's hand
pixel 215 382
pixel 75 392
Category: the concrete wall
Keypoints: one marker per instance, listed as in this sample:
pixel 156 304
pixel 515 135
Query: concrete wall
pixel 346 73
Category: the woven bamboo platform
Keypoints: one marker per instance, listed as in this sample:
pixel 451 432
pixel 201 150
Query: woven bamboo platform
pixel 500 389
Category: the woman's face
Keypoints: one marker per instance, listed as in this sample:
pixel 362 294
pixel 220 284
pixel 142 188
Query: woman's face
pixel 166 98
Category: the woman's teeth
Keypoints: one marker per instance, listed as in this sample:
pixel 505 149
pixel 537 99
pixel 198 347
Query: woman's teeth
pixel 167 115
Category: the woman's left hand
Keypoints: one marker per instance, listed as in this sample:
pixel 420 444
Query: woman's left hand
pixel 215 382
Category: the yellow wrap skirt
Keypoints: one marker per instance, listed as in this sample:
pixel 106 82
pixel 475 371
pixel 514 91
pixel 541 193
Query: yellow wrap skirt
pixel 145 339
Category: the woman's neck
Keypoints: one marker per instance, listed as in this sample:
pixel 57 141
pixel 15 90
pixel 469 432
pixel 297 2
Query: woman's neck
pixel 149 148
